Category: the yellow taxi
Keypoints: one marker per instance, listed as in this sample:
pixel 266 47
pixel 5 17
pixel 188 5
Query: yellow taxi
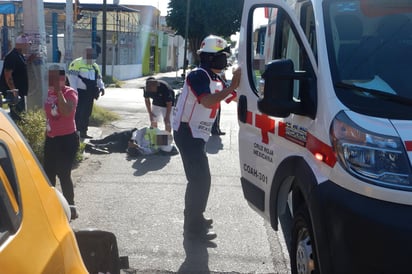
pixel 35 234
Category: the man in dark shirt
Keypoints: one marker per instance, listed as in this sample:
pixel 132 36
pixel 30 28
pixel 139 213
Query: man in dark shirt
pixel 14 75
pixel 163 97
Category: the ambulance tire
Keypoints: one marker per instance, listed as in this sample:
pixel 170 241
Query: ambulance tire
pixel 303 252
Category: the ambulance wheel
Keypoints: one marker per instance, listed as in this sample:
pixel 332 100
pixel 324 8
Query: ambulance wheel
pixel 303 253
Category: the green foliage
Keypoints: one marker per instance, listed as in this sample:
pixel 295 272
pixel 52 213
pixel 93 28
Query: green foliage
pixel 101 116
pixel 206 17
pixel 111 81
pixel 33 127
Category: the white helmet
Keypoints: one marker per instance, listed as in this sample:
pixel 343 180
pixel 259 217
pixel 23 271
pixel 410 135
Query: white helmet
pixel 214 44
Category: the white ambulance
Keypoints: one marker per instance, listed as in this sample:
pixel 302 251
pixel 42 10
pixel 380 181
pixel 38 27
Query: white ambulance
pixel 325 129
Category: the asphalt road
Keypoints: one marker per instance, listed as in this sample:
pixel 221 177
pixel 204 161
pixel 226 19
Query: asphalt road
pixel 141 201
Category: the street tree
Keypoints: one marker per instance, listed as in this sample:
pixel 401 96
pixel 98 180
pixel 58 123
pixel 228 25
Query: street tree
pixel 206 17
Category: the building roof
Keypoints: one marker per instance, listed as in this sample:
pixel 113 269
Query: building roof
pixel 90 7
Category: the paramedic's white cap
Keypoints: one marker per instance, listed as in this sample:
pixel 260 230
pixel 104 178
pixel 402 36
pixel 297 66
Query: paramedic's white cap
pixel 22 39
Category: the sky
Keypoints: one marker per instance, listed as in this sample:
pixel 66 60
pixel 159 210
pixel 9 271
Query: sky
pixel 160 4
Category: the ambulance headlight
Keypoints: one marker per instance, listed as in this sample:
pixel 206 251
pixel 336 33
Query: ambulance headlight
pixel 372 157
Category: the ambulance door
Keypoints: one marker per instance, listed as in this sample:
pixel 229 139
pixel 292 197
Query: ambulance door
pixel 267 133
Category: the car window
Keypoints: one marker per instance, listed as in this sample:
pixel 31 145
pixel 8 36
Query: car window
pixel 262 28
pixel 272 36
pixel 10 206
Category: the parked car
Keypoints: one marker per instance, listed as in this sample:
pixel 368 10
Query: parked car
pixel 35 234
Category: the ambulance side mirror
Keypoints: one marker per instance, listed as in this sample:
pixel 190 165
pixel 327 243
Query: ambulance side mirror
pixel 277 97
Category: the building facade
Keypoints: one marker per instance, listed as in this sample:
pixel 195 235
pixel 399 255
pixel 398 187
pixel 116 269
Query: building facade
pixel 137 42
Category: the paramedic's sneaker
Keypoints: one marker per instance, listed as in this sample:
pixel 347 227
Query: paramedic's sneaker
pixel 202 235
pixel 73 212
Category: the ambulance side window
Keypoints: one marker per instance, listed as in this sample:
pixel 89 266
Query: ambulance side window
pixel 262 26
pixel 307 22
pixel 10 207
pixel 280 42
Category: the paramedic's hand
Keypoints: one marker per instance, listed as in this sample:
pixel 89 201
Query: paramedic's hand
pixel 102 92
pixel 235 78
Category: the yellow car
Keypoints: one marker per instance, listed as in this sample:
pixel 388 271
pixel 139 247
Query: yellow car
pixel 35 234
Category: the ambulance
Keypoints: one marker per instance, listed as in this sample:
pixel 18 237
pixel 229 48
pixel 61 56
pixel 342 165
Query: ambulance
pixel 325 129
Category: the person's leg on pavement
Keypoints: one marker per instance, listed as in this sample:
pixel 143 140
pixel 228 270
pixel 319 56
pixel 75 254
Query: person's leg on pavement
pixel 162 116
pixel 83 112
pixel 197 172
pixel 158 115
pixel 68 147
pixel 50 159
pixel 80 110
pixel 88 111
pixel 216 125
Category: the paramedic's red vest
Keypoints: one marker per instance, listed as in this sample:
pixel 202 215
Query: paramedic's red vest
pixel 189 110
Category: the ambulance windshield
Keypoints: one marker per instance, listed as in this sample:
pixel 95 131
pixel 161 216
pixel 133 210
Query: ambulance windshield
pixel 370 45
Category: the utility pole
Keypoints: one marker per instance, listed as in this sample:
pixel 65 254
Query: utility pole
pixel 68 35
pixel 104 37
pixel 34 27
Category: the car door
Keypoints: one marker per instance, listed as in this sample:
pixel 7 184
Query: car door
pixel 35 236
pixel 10 202
pixel 271 31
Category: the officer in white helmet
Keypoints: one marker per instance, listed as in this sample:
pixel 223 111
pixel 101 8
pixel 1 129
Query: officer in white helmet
pixel 193 118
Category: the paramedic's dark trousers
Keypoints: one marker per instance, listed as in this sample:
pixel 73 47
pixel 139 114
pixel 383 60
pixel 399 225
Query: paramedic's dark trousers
pixel 84 109
pixel 196 166
pixel 59 155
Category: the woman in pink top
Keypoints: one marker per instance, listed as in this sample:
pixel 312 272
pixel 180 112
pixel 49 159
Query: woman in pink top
pixel 62 142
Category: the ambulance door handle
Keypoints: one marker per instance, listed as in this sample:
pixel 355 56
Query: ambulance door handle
pixel 242 108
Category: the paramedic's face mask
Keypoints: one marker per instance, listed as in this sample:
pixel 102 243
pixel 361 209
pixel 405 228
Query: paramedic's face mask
pixel 219 61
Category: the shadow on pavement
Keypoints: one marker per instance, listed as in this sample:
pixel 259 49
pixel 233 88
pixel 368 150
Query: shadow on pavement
pixel 197 257
pixel 144 164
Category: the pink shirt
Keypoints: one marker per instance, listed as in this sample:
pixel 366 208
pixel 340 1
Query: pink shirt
pixel 57 124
